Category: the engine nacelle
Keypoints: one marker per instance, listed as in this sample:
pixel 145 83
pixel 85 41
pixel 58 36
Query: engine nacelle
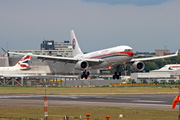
pixel 137 66
pixel 81 65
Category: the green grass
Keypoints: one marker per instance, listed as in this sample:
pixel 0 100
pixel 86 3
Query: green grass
pixel 90 90
pixel 96 113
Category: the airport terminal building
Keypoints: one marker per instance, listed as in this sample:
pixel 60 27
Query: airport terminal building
pixel 49 47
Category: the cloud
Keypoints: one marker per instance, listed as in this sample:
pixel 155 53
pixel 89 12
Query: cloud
pixel 129 2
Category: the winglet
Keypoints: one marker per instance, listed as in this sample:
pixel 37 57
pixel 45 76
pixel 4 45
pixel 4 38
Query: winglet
pixel 4 50
pixel 177 52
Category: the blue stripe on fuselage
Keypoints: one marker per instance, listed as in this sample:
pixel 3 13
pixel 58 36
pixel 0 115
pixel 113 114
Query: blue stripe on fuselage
pixel 113 56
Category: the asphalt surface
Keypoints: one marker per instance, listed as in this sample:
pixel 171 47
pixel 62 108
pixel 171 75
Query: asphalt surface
pixel 158 102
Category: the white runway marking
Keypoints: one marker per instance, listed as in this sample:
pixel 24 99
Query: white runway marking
pixel 146 101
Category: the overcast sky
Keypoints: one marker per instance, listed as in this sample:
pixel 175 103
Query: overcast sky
pixel 145 25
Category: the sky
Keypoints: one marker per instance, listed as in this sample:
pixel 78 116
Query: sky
pixel 144 25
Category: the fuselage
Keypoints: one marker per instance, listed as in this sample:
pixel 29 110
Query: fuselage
pixel 9 68
pixel 174 67
pixel 111 56
pixel 170 67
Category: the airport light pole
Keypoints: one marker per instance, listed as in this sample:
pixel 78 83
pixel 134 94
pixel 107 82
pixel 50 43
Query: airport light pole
pixel 107 117
pixel 45 107
pixel 87 116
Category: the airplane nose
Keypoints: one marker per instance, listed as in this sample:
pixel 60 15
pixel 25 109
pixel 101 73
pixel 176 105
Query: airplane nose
pixel 132 53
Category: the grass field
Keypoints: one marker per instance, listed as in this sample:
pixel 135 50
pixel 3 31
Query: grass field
pixel 96 113
pixel 90 90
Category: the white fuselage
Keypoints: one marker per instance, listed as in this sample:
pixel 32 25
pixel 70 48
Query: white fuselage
pixel 9 70
pixel 168 68
pixel 112 56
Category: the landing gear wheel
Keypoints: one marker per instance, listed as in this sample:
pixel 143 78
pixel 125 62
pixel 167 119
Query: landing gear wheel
pixel 85 74
pixel 88 73
pixel 82 76
pixel 116 75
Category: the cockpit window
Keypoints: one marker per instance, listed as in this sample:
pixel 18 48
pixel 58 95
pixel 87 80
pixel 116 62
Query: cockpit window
pixel 128 50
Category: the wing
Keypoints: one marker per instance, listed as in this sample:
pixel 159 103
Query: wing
pixel 63 59
pixel 153 58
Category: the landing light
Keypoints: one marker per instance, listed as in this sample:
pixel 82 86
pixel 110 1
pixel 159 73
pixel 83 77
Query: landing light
pixel 109 67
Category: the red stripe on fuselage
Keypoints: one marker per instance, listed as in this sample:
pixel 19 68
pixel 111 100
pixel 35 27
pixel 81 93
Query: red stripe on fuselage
pixel 174 67
pixel 129 53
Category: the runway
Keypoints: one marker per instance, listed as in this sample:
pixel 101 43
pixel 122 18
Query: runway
pixel 158 102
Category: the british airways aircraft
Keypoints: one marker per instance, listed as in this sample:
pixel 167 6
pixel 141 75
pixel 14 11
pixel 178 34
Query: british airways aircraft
pixel 168 68
pixel 102 59
pixel 23 64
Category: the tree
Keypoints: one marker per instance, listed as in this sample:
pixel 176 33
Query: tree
pixel 159 63
pixel 150 66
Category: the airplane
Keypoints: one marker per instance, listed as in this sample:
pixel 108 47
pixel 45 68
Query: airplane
pixel 168 68
pixel 23 64
pixel 102 59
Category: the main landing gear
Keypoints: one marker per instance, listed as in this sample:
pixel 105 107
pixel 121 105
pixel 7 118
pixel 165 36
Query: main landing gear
pixel 85 74
pixel 118 74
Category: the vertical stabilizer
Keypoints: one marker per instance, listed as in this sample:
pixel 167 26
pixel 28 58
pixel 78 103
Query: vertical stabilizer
pixel 75 45
pixel 23 64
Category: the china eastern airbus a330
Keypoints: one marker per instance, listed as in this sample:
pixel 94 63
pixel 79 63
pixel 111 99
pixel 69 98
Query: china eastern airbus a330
pixel 102 59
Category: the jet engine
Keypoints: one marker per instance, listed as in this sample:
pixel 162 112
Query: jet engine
pixel 137 66
pixel 81 65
